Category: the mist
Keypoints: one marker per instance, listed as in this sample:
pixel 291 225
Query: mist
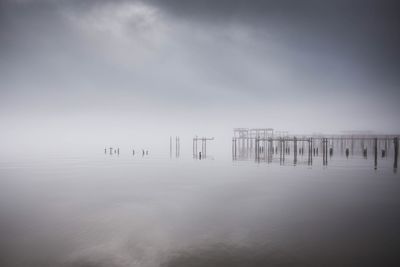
pixel 86 74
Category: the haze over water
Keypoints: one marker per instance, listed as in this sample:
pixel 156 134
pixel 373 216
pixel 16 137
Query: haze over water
pixel 129 210
pixel 79 76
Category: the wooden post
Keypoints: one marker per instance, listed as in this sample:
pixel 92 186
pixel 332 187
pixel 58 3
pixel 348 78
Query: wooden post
pixel 233 154
pixel 235 148
pixel 396 152
pixel 376 152
pixel 323 151
pixel 295 151
pixel 326 151
pixel 352 145
pixel 205 148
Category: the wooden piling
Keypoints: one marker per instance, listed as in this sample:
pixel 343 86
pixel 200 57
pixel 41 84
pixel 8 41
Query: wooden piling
pixel 295 151
pixel 375 153
pixel 396 152
pixel 170 146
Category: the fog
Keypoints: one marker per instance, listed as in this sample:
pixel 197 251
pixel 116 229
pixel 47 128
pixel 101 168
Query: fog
pixel 87 74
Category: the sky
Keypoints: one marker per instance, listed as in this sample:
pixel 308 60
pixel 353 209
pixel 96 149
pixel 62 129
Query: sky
pixel 77 74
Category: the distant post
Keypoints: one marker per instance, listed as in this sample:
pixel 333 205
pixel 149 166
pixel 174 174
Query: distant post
pixel 396 152
pixel 376 152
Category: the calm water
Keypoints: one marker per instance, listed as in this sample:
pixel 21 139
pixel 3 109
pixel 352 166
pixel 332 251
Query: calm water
pixel 134 211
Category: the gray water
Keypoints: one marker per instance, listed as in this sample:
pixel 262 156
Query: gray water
pixel 122 211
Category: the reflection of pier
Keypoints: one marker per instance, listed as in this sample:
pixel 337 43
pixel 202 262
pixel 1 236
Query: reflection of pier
pixel 264 144
pixel 203 153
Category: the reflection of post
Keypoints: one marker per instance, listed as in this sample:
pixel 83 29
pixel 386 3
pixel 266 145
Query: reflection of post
pixel 376 152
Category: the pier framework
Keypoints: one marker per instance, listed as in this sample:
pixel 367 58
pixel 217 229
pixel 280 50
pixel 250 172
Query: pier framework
pixel 203 153
pixel 261 144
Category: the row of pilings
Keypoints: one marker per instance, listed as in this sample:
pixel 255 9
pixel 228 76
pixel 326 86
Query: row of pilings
pixel 265 148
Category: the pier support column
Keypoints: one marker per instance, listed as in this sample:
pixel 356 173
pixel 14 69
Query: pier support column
pixel 396 152
pixel 295 151
pixel 375 153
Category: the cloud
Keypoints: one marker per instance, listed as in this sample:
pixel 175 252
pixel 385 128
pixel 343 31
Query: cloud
pixel 224 63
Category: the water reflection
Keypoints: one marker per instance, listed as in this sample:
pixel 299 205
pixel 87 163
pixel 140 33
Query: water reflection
pixel 134 211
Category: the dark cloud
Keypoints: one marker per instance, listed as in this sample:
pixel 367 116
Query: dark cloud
pixel 364 29
pixel 95 54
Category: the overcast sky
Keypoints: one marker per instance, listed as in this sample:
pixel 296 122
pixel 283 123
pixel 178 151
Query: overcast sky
pixel 100 72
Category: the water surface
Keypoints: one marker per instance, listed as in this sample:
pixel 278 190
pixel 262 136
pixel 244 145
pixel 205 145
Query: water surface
pixel 153 211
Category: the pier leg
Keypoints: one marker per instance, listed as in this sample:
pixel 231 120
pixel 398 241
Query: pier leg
pixel 233 153
pixel 295 151
pixel 396 152
pixel 375 153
